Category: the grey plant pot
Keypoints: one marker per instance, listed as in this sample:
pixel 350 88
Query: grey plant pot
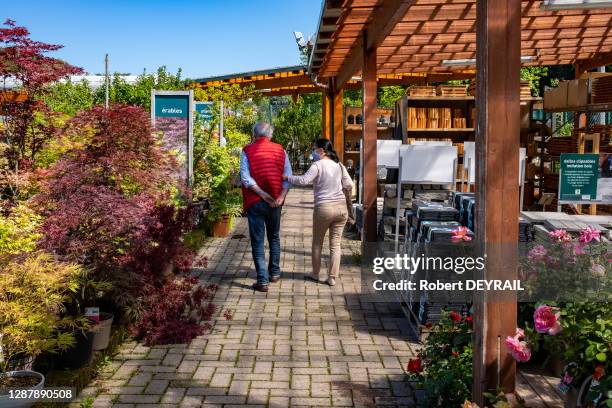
pixel 6 402
pixel 102 332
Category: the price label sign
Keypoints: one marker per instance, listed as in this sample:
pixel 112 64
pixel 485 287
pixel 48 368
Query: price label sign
pixel 93 314
pixel 578 177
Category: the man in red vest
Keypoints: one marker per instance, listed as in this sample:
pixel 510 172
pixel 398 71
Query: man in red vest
pixel 262 166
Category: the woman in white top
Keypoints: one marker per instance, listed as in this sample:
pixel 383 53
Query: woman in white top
pixel 329 179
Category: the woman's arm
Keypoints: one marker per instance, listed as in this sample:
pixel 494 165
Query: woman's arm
pixel 347 182
pixel 307 178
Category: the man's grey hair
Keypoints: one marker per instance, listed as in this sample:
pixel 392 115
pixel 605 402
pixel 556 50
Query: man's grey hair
pixel 262 129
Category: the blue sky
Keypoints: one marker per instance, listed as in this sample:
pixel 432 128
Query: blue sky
pixel 204 38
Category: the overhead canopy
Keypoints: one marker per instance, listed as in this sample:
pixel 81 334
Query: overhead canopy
pixel 296 80
pixel 275 81
pixel 417 36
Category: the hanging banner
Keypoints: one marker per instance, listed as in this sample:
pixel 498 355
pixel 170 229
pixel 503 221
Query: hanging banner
pixel 578 177
pixel 172 114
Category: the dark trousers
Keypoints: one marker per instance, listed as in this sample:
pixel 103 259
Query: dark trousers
pixel 263 218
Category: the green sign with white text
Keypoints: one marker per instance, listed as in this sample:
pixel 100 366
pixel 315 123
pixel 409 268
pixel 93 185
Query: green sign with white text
pixel 578 177
pixel 172 106
pixel 204 109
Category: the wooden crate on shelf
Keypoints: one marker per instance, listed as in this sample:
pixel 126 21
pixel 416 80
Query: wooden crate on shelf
pixel 452 90
pixel 446 119
pixel 601 91
pixel 417 118
pixel 411 140
pixel 419 90
pixel 460 148
pixel 433 121
pixel 569 144
pixel 559 145
pixel 459 120
pixel 525 90
pixel 472 88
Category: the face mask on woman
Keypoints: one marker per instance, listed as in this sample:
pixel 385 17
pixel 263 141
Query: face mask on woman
pixel 316 156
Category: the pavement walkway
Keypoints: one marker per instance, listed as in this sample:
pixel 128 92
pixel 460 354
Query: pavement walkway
pixel 302 344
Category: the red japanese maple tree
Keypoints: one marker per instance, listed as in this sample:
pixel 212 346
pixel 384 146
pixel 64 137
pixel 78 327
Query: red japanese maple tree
pixel 25 127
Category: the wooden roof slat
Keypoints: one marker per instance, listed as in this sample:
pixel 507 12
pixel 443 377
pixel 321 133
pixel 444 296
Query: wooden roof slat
pixel 430 31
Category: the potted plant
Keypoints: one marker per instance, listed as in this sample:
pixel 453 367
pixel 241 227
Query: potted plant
pixel 95 334
pixel 86 303
pixel 222 217
pixel 33 290
pixel 225 199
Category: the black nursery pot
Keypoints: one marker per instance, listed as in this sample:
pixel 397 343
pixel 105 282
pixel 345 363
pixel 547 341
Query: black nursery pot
pixel 78 355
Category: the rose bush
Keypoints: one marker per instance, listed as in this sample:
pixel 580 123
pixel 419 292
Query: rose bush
pixel 575 325
pixel 443 368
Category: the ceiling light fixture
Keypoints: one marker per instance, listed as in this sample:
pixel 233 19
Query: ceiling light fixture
pixel 553 5
pixel 472 61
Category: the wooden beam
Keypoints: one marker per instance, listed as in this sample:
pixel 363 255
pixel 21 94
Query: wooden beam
pixel 370 134
pixel 326 129
pixel 338 112
pixel 296 80
pixel 290 91
pixel 387 15
pixel 497 211
pixel 600 60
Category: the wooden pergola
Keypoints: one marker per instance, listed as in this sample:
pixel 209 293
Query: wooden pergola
pixel 296 80
pixel 291 80
pixel 369 38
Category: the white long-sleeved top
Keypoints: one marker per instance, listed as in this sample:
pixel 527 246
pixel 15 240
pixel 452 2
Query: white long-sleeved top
pixel 328 179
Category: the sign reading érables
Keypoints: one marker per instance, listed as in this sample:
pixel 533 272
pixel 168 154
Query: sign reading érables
pixel 172 114
pixel 171 106
pixel 578 177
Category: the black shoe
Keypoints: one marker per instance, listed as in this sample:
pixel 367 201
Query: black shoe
pixel 275 278
pixel 260 288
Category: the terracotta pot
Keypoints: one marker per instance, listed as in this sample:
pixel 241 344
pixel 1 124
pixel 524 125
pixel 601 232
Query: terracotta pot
pixel 221 228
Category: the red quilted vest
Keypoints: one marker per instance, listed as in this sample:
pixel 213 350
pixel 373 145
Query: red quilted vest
pixel 266 163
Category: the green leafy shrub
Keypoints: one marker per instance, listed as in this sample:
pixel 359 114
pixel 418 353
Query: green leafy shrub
pixel 18 231
pixel 225 198
pixel 33 290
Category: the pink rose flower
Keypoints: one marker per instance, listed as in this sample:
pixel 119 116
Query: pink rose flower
pixel 589 234
pixel 461 234
pixel 579 249
pixel 519 349
pixel 546 320
pixel 522 354
pixel 560 236
pixel 512 343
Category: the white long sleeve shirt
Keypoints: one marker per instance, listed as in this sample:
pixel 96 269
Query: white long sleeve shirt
pixel 328 179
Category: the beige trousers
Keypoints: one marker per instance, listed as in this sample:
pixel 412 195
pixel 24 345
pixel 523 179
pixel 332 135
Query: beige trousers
pixel 328 216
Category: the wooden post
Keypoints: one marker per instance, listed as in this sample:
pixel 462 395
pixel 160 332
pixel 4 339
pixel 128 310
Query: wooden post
pixel 580 118
pixel 326 129
pixel 369 87
pixel 498 45
pixel 338 112
pixel 595 139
